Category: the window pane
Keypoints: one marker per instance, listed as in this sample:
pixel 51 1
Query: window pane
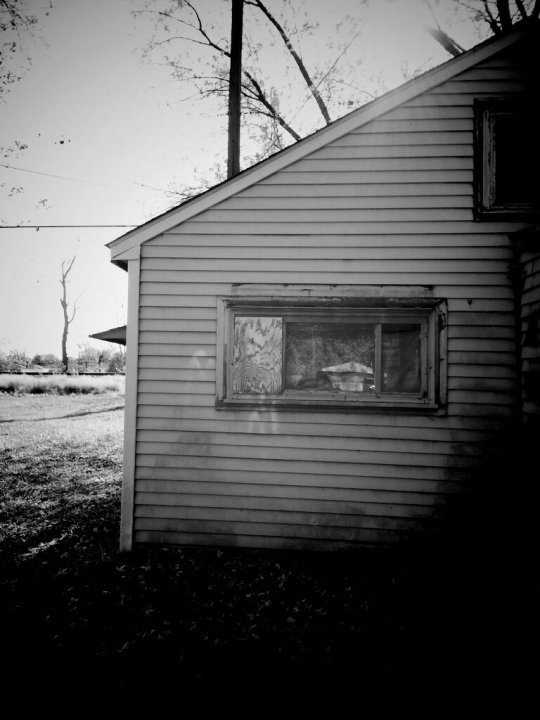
pixel 401 358
pixel 514 179
pixel 329 356
pixel 257 355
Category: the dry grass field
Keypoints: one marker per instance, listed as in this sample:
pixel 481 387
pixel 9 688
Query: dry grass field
pixel 446 631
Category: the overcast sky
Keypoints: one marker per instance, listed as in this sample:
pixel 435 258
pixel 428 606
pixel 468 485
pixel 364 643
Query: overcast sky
pixel 110 137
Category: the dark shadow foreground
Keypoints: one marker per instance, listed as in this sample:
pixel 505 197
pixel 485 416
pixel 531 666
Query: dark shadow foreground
pixel 445 628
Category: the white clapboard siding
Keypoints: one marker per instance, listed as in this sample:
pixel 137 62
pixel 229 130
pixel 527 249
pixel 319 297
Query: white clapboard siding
pixel 388 204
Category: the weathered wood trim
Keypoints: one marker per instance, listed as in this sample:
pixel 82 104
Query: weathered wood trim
pixel 130 411
pixel 221 349
pixel 315 294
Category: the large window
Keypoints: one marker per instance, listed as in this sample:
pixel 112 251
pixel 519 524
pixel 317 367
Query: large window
pixel 506 158
pixel 351 356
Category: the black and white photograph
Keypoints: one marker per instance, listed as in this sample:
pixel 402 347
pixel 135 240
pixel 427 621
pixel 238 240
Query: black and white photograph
pixel 270 359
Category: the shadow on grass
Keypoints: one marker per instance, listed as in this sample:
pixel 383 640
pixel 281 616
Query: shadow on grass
pixel 81 413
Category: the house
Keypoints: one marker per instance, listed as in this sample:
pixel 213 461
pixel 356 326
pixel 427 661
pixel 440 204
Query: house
pixel 319 348
pixel 114 335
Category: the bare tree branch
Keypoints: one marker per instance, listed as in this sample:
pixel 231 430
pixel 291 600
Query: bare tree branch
pixel 445 41
pixel 490 19
pixel 298 60
pixel 505 18
pixel 254 87
pixel 521 8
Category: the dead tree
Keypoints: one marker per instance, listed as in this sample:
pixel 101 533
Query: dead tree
pixel 69 313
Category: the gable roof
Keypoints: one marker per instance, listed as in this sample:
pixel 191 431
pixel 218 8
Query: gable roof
pixel 114 335
pixel 126 246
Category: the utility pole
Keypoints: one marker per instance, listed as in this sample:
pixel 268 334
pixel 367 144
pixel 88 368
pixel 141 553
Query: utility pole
pixel 235 86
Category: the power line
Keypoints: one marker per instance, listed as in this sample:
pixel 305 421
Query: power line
pixel 90 182
pixel 38 227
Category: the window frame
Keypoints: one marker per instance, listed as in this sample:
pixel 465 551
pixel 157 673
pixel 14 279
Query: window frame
pixel 485 181
pixel 430 313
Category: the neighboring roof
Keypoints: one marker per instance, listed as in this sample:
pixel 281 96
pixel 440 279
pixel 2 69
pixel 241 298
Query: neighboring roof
pixel 126 246
pixel 115 335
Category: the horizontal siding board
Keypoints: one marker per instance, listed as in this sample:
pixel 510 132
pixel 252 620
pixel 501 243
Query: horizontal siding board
pixel 422 136
pixel 172 278
pixel 156 269
pixel 434 241
pixel 181 338
pixel 177 374
pixel 399 517
pixel 481 318
pixel 381 164
pixel 439 226
pixel 316 252
pixel 344 202
pixel 423 150
pixel 245 483
pixel 360 430
pixel 202 354
pixel 484 332
pixel 480 87
pixel 178 439
pixel 489 345
pixel 436 175
pixel 286 498
pixel 171 465
pixel 177 453
pixel 499 385
pixel 272 529
pixel 354 190
pixel 445 125
pixel 333 215
pixel 177 312
pixel 179 325
pixel 468 371
pixel 172 362
pixel 366 538
pixel 412 112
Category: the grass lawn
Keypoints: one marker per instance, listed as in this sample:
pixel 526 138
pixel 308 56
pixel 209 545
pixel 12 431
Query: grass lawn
pixel 443 633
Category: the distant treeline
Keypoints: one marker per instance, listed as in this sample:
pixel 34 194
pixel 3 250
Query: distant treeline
pixel 89 360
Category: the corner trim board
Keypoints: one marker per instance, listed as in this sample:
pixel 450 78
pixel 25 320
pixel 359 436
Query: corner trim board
pixel 130 410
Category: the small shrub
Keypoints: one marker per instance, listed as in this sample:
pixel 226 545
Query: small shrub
pixel 61 384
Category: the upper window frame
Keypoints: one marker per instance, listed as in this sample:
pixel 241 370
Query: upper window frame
pixel 430 312
pixel 485 204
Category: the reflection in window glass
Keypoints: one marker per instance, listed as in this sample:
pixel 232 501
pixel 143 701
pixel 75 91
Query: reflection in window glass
pixel 401 358
pixel 329 356
pixel 257 365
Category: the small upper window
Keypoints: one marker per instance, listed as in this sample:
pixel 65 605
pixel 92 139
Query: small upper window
pixel 505 166
pixel 354 356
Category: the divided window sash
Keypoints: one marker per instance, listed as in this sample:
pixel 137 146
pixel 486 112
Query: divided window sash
pixel 351 357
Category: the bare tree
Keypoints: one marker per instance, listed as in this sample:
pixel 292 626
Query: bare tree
pixel 499 15
pixel 68 312
pixel 185 22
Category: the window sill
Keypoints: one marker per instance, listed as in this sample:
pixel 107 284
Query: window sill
pixel 522 213
pixel 336 403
